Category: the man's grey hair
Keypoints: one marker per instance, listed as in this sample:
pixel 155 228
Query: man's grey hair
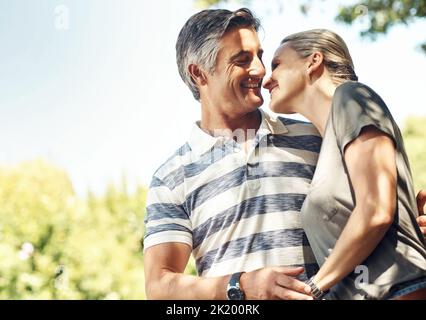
pixel 198 41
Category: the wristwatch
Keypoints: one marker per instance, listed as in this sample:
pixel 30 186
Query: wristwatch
pixel 316 292
pixel 233 290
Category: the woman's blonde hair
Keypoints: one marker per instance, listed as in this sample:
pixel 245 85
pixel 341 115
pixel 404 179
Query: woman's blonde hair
pixel 337 59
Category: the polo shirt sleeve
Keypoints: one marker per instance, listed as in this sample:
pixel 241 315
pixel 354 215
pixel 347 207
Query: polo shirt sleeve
pixel 356 106
pixel 166 219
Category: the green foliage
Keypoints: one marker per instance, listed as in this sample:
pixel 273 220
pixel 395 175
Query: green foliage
pixel 383 14
pixel 54 245
pixel 415 143
pixel 190 267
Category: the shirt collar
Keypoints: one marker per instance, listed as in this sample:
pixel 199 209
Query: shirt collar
pixel 200 141
pixel 271 124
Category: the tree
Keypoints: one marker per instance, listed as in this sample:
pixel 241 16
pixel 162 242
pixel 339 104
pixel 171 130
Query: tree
pixel 382 15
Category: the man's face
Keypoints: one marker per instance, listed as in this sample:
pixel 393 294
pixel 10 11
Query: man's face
pixel 236 82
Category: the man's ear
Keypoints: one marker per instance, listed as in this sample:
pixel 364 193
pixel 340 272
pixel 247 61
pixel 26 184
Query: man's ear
pixel 197 74
pixel 315 63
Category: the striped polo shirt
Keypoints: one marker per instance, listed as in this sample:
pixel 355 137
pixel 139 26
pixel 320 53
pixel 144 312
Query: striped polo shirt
pixel 237 210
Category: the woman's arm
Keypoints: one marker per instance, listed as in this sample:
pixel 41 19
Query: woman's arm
pixel 371 164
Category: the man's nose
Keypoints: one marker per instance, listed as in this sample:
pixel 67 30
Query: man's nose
pixel 257 68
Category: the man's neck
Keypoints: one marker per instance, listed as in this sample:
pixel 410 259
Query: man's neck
pixel 222 124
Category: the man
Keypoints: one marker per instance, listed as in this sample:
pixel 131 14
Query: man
pixel 233 204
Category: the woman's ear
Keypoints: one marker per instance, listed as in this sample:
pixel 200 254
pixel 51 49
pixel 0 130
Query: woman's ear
pixel 315 62
pixel 197 74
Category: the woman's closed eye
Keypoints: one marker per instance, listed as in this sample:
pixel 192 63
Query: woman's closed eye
pixel 274 65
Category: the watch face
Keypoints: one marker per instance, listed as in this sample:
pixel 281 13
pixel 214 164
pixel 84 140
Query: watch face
pixel 235 294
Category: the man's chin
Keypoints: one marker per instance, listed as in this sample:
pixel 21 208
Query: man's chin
pixel 255 106
pixel 255 102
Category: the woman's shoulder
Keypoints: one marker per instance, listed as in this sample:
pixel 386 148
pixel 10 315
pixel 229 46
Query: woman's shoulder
pixel 356 95
pixel 354 89
pixel 356 105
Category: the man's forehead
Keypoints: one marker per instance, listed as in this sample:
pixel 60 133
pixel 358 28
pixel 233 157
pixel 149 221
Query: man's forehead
pixel 241 34
pixel 240 39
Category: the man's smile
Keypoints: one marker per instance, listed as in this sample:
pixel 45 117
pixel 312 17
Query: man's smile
pixel 252 84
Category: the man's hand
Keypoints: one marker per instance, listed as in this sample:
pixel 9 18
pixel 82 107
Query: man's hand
pixel 274 284
pixel 421 220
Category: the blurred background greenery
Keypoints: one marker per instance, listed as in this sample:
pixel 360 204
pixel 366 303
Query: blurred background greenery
pixel 55 245
pixel 415 143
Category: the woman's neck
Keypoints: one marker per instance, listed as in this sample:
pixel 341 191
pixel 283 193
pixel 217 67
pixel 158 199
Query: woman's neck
pixel 316 106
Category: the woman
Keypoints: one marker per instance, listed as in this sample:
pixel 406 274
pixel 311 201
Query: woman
pixel 360 213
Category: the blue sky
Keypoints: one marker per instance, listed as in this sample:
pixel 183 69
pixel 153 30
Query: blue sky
pixel 103 98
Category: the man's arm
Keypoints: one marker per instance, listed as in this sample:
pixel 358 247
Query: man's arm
pixel 421 219
pixel 164 279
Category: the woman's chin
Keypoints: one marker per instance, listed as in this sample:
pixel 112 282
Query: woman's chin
pixel 280 108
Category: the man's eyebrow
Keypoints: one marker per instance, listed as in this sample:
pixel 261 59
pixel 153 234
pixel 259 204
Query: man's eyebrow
pixel 244 52
pixel 239 54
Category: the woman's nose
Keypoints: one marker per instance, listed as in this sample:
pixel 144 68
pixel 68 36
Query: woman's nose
pixel 267 82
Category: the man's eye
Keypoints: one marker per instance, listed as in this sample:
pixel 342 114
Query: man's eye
pixel 243 61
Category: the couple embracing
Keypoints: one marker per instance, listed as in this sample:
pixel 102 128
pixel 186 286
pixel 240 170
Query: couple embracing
pixel 296 210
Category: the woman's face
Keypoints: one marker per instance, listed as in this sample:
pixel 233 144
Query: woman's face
pixel 288 80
